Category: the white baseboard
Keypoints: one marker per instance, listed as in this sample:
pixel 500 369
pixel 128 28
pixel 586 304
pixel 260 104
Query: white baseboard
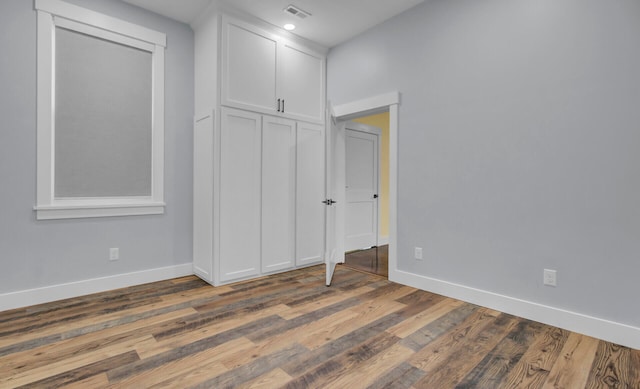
pixel 610 331
pixel 25 298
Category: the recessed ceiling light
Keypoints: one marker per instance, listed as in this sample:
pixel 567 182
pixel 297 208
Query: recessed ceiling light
pixel 289 27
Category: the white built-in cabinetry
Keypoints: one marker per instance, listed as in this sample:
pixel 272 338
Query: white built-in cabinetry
pixel 265 73
pixel 259 169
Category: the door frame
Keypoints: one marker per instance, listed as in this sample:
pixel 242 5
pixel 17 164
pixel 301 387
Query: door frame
pixel 371 105
pixel 377 132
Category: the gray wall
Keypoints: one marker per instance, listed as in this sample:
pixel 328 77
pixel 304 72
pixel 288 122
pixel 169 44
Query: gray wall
pixel 519 144
pixel 41 253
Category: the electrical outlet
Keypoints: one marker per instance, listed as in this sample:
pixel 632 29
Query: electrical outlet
pixel 114 254
pixel 417 253
pixel 549 277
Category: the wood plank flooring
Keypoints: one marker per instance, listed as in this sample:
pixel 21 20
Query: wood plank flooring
pixel 291 331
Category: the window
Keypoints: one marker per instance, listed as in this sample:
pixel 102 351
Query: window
pixel 100 135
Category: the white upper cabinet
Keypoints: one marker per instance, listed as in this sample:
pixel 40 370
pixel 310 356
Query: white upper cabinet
pixel 248 67
pixel 301 82
pixel 265 73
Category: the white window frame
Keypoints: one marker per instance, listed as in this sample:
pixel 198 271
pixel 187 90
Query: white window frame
pixel 56 13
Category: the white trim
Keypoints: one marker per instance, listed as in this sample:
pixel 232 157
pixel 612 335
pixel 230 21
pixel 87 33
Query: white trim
pixel 393 190
pixel 107 210
pixel 361 107
pixel 51 13
pixel 44 108
pixel 104 34
pixel 157 126
pixel 366 128
pixel 25 298
pixel 364 106
pixel 576 322
pixel 382 240
pixel 96 19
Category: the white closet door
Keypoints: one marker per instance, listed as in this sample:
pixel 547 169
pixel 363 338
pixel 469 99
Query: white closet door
pixel 248 67
pixel 310 192
pixel 278 193
pixel 240 202
pixel 301 82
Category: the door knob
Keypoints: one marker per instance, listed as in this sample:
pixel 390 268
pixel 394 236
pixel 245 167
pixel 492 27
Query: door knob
pixel 375 196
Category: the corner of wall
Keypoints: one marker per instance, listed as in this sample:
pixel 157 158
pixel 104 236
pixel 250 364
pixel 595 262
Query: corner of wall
pixel 607 330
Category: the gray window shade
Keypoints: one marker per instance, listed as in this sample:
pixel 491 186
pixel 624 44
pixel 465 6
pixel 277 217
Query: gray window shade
pixel 103 117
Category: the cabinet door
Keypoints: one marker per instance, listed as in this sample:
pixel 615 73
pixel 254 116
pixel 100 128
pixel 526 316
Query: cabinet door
pixel 310 190
pixel 248 67
pixel 278 193
pixel 239 194
pixel 301 82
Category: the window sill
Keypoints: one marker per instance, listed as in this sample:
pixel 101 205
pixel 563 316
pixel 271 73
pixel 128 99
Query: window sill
pixel 51 212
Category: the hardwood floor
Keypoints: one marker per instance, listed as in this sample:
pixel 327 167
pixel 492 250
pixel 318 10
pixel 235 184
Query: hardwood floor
pixel 289 330
pixel 365 260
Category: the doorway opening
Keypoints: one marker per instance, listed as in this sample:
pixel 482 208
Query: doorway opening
pixel 367 193
pixel 335 221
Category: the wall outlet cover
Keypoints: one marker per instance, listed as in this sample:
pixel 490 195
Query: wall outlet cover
pixel 417 252
pixel 114 254
pixel 550 277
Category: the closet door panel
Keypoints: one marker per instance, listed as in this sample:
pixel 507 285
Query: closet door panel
pixel 248 67
pixel 278 193
pixel 310 190
pixel 301 82
pixel 240 202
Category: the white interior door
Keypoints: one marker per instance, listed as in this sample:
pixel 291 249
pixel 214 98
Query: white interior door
pixel 335 189
pixel 361 230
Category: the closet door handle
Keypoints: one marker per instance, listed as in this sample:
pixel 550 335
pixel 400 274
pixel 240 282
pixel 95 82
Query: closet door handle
pixel 282 105
pixel 278 105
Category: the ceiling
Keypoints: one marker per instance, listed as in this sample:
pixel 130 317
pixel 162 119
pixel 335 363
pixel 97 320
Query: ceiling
pixel 331 22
